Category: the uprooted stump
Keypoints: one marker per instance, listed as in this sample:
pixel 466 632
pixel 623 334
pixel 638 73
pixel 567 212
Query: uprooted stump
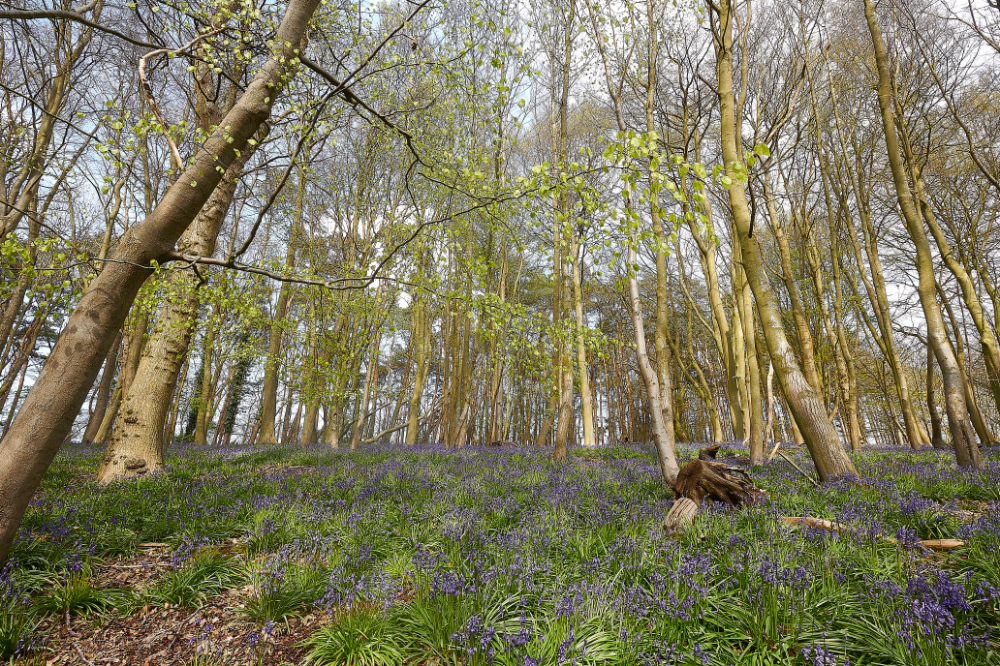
pixel 703 479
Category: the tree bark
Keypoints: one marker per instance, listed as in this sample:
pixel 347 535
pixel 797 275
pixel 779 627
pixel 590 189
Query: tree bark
pixel 937 441
pixel 46 417
pixel 104 391
pixel 422 347
pixel 966 448
pixel 807 408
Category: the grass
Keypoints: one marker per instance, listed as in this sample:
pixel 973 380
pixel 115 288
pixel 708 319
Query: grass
pixel 480 556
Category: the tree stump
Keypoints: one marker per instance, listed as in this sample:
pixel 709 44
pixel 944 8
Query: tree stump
pixel 681 514
pixel 704 478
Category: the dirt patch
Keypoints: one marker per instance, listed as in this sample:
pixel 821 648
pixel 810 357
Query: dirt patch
pixel 173 636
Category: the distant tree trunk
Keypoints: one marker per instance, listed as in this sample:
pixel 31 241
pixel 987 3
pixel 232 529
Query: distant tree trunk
pixel 236 395
pixel 206 397
pixel 365 398
pixel 422 347
pixel 171 427
pixel 104 390
pixel 311 380
pixel 292 427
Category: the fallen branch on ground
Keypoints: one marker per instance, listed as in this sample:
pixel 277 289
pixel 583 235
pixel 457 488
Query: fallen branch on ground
pixel 819 523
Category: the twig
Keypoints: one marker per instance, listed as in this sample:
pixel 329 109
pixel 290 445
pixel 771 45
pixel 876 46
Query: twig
pixel 801 471
pixel 82 656
pixel 148 91
pixel 777 445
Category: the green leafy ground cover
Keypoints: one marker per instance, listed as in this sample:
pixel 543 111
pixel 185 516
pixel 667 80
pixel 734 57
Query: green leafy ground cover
pixel 435 556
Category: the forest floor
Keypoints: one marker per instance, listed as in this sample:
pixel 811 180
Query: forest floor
pixel 499 556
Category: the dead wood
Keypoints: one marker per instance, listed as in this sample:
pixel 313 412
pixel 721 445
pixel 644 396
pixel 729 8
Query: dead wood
pixel 681 514
pixel 704 478
pixel 819 523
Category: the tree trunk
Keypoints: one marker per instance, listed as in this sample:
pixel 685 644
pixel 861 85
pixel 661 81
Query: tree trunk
pixel 966 448
pixel 203 418
pixel 807 408
pixel 365 398
pixel 46 417
pixel 422 344
pixel 666 456
pixel 581 350
pixel 104 391
pixel 136 446
pixel 937 441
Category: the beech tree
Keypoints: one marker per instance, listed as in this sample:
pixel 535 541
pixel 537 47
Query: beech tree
pixel 553 223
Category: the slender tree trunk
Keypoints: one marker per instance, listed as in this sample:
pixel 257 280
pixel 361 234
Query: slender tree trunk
pixel 104 391
pixel 171 427
pixel 422 344
pixel 367 393
pixel 966 448
pixel 206 398
pixel 937 441
pixel 581 349
pixel 311 381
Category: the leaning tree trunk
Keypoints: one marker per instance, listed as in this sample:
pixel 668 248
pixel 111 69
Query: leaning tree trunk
pixel 661 436
pixel 136 446
pixel 807 408
pixel 964 441
pixel 46 417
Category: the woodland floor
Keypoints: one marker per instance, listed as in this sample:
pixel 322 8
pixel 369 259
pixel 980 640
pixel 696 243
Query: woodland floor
pixel 483 556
